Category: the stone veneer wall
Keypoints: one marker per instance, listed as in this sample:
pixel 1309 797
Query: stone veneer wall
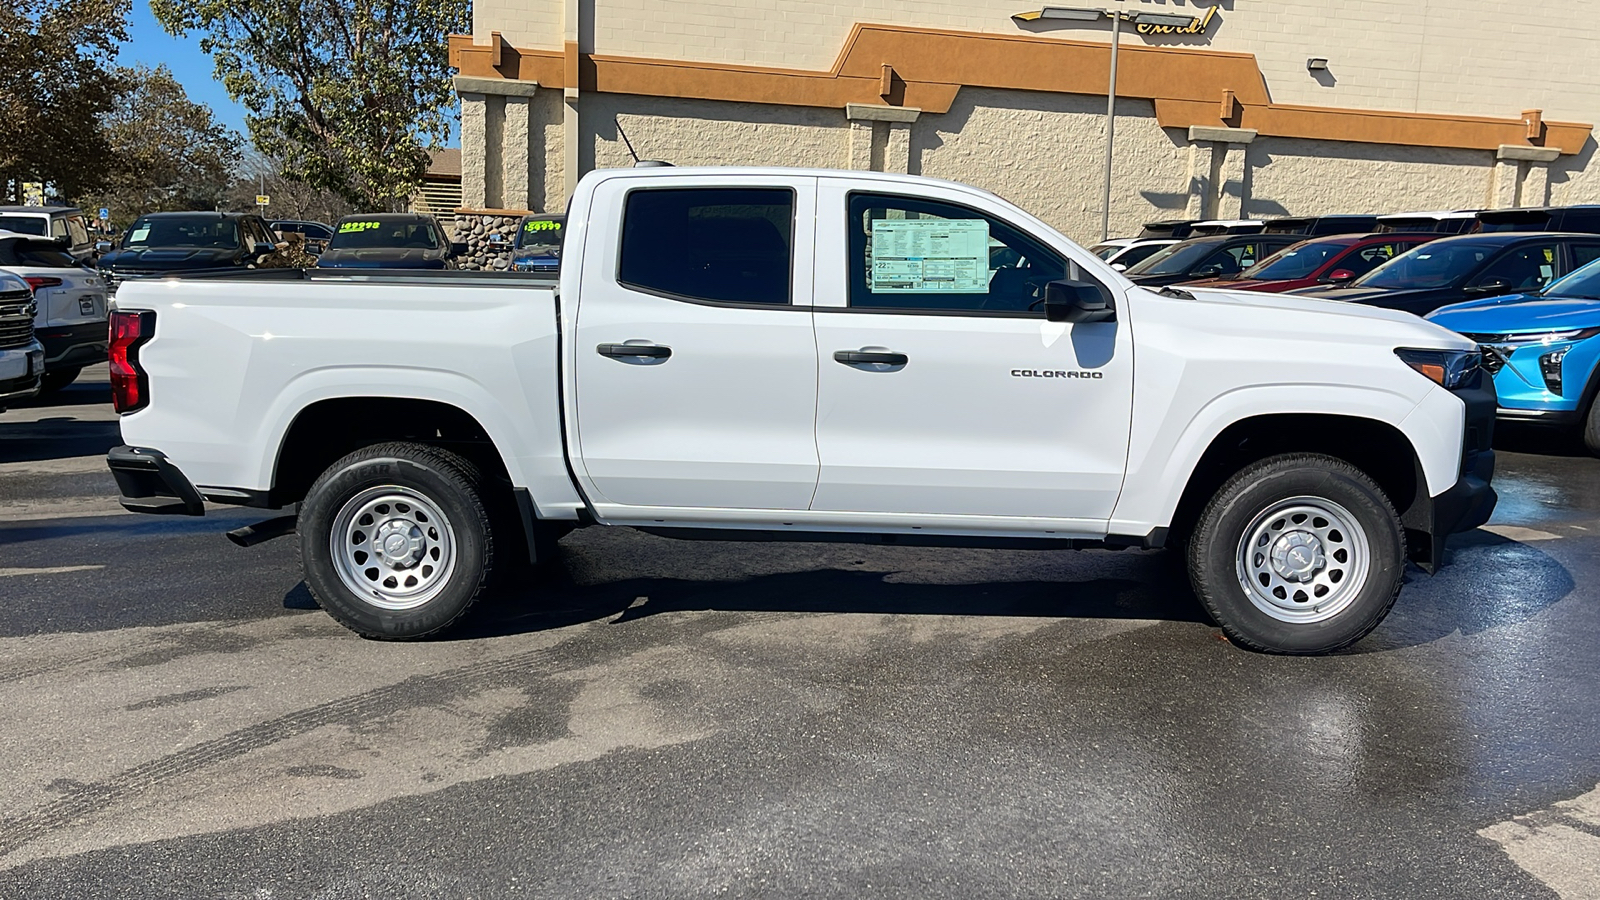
pixel 478 227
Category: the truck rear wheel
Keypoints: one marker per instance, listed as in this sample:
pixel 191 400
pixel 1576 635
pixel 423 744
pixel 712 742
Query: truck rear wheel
pixel 1298 554
pixel 396 541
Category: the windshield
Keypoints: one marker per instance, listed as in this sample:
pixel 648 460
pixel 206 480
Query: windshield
pixel 542 235
pixel 1297 261
pixel 1428 266
pixel 1584 282
pixel 178 231
pixel 1175 259
pixel 372 234
pixel 23 224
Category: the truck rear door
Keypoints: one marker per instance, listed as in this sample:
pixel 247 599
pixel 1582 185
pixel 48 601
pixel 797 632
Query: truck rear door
pixel 696 364
pixel 942 389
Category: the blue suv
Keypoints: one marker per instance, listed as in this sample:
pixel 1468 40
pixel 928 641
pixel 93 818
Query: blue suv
pixel 1542 349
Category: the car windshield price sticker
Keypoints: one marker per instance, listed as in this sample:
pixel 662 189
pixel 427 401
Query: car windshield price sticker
pixel 930 255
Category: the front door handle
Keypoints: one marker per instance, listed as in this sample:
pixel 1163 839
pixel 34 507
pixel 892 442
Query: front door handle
pixel 634 351
pixel 867 357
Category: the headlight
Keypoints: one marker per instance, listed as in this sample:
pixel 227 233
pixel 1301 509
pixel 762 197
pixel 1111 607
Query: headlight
pixel 1448 369
pixel 1549 337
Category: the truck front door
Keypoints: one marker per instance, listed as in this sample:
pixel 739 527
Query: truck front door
pixel 695 363
pixel 942 389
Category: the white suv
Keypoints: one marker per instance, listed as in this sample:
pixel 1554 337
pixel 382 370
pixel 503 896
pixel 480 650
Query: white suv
pixel 21 356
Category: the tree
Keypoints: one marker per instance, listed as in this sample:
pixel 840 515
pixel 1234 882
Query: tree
pixel 290 199
pixel 57 76
pixel 167 152
pixel 351 95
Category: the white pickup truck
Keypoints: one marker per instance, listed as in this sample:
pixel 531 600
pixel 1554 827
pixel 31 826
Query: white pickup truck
pixel 806 355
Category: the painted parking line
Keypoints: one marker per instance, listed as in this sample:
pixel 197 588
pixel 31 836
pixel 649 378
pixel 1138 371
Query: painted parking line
pixel 1519 533
pixel 48 570
pixel 1559 846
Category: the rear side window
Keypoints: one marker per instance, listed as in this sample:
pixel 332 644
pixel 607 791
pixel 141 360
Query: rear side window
pixel 725 245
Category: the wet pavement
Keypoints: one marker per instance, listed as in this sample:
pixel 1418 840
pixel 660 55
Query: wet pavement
pixel 666 719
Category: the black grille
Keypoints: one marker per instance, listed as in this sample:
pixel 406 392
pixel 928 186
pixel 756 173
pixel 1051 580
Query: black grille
pixel 16 319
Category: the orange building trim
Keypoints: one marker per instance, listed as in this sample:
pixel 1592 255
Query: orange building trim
pixel 931 65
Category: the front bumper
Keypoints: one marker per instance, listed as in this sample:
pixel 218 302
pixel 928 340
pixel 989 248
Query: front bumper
pixel 20 369
pixel 75 346
pixel 1468 503
pixel 150 483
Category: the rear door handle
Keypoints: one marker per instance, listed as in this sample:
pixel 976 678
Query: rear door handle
pixel 634 351
pixel 867 357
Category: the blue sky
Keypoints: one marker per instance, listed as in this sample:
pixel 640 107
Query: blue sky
pixel 150 45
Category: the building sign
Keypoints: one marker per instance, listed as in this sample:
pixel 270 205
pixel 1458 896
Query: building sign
pixel 1198 26
pixel 1201 23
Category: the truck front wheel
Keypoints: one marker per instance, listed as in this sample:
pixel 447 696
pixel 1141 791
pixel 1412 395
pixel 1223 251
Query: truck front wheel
pixel 396 541
pixel 1298 554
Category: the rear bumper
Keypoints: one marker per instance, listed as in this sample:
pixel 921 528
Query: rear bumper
pixel 150 483
pixel 75 346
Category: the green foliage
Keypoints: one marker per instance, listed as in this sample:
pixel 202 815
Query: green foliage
pixel 167 152
pixel 57 75
pixel 351 95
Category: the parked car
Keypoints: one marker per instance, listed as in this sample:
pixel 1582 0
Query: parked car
pixel 1207 257
pixel 1458 221
pixel 159 243
pixel 71 305
pixel 316 234
pixel 1584 219
pixel 21 355
pixel 1542 348
pixel 538 244
pixel 1175 229
pixel 1465 267
pixel 716 366
pixel 1311 226
pixel 1320 261
pixel 390 241
pixel 66 225
pixel 1124 253
pixel 1227 226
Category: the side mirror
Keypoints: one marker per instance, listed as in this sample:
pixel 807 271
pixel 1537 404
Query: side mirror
pixel 1074 301
pixel 1338 275
pixel 102 246
pixel 458 248
pixel 1119 267
pixel 262 248
pixel 1207 272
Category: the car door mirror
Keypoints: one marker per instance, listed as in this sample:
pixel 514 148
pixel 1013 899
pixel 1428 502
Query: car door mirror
pixel 458 248
pixel 102 246
pixel 1211 271
pixel 262 248
pixel 1075 301
pixel 1119 267
pixel 1340 275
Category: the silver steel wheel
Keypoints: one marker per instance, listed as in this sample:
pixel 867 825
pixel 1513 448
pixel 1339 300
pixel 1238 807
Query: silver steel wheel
pixel 1303 560
pixel 393 547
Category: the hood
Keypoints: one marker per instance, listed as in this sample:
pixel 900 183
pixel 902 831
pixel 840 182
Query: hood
pixel 1518 312
pixel 382 258
pixel 1403 327
pixel 163 259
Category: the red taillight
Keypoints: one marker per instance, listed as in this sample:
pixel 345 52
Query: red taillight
pixel 41 281
pixel 130 387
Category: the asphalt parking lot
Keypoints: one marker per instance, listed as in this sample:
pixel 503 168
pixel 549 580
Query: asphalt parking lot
pixel 663 719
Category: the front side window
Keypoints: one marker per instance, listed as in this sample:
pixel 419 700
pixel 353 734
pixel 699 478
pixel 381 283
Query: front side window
pixel 725 245
pixel 1522 269
pixel 79 234
pixel 911 254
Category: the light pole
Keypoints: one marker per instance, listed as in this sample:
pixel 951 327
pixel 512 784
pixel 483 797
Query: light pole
pixel 1117 17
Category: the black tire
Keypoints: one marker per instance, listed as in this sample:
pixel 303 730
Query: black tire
pixel 1286 548
pixel 56 379
pixel 1591 427
pixel 431 479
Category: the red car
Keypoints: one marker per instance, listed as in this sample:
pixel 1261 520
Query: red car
pixel 1320 261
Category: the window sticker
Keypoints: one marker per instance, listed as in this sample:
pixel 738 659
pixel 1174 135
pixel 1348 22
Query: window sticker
pixel 348 227
pixel 139 234
pixel 542 226
pixel 930 255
